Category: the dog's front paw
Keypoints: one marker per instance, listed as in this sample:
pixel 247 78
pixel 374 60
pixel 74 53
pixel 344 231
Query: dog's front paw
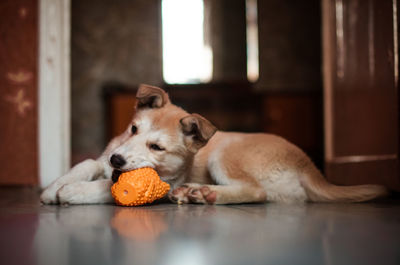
pixel 179 195
pixel 194 193
pixel 203 195
pixel 70 194
pixel 49 196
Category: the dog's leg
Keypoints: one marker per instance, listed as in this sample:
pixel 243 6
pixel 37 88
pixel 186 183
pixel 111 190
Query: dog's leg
pixel 86 192
pixel 84 171
pixel 217 194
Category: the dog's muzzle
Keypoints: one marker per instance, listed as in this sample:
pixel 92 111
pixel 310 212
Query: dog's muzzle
pixel 115 175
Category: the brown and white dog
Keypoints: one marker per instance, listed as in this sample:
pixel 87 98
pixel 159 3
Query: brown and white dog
pixel 201 164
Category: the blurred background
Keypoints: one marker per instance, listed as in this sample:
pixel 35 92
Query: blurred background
pixel 245 67
pixel 323 74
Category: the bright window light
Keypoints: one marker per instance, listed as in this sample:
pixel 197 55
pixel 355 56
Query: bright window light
pixel 186 57
pixel 252 40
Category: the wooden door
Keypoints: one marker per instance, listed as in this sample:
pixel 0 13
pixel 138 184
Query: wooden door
pixel 361 100
pixel 18 92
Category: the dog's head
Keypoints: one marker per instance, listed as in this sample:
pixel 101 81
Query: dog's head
pixel 161 135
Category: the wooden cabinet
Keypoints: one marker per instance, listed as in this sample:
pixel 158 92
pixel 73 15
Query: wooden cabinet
pixel 361 100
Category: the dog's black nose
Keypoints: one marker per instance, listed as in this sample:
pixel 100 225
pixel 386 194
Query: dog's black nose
pixel 117 161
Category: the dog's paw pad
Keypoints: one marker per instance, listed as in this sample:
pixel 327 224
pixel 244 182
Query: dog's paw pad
pixel 211 197
pixel 192 192
pixel 179 191
pixel 179 195
pixel 202 195
pixel 196 196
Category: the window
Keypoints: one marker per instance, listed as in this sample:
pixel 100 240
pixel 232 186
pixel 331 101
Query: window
pixel 252 40
pixel 186 57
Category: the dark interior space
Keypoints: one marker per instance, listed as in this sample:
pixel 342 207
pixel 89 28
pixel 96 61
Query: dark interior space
pixel 285 100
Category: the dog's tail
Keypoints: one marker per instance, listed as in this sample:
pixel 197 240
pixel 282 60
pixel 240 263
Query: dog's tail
pixel 320 190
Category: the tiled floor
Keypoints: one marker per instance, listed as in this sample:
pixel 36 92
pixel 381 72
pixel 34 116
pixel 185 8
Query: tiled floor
pixel 308 234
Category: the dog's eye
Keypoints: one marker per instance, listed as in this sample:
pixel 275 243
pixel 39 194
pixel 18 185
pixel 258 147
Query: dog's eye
pixel 156 147
pixel 133 129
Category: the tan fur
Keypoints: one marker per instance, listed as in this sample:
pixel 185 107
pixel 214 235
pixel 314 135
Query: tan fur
pixel 202 165
pixel 319 190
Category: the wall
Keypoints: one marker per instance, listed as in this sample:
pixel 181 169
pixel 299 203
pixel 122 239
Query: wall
pixel 117 40
pixel 227 34
pixel 290 72
pixel 18 92
pixel 290 45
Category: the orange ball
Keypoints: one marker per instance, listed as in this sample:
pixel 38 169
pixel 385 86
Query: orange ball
pixel 138 187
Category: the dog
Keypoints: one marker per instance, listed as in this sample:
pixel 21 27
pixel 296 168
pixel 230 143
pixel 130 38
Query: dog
pixel 201 164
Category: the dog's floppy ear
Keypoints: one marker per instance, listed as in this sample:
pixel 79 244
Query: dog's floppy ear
pixel 197 130
pixel 151 97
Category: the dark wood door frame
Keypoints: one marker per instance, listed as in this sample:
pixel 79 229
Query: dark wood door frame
pixel 361 99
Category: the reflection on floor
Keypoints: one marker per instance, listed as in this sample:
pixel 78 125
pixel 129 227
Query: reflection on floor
pixel 367 233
